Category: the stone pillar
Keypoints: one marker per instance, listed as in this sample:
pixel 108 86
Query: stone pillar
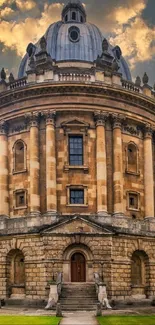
pixel 4 187
pixel 101 165
pixel 148 173
pixel 34 165
pixel 117 164
pixel 51 192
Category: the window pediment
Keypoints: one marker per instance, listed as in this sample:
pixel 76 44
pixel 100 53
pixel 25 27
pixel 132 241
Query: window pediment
pixel 75 124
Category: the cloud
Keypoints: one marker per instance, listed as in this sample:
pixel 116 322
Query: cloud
pixel 7 12
pixel 135 38
pixel 25 5
pixel 17 35
pixel 123 15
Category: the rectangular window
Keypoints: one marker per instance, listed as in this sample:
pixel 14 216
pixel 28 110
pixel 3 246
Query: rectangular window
pixel 20 199
pixel 76 196
pixel 133 201
pixel 75 150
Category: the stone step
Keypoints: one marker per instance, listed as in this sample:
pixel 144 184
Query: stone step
pixel 78 308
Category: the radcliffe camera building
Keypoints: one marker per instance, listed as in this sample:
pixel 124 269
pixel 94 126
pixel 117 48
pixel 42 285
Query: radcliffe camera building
pixel 77 167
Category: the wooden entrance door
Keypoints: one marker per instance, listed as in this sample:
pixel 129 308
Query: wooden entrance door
pixel 78 268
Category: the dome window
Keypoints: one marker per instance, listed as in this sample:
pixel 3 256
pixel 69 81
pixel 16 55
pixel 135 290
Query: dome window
pixel 74 34
pixel 66 18
pixel 73 15
pixel 81 19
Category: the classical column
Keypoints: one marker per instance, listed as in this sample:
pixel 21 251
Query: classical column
pixel 117 164
pixel 148 172
pixel 51 193
pixel 101 164
pixel 4 188
pixel 34 165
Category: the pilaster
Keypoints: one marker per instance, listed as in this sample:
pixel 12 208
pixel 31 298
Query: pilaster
pixel 117 163
pixel 101 164
pixel 4 189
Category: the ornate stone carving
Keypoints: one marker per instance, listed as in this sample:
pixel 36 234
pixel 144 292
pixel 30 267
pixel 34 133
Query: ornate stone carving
pixel 32 119
pixel 148 130
pixel 132 129
pixel 101 118
pixel 3 127
pixel 49 116
pixel 19 128
pixel 118 120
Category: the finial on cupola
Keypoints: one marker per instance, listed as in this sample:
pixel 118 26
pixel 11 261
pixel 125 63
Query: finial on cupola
pixel 105 45
pixel 145 79
pixel 3 74
pixel 43 43
pixel 138 81
pixel 11 77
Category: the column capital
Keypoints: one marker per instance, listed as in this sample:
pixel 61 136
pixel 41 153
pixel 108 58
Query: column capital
pixel 148 131
pixel 50 117
pixel 33 119
pixel 3 127
pixel 101 118
pixel 118 120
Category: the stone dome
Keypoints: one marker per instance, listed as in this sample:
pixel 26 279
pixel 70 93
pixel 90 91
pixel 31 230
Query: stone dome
pixel 74 39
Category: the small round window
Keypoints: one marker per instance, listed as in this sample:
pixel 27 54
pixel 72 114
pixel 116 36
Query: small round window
pixel 74 34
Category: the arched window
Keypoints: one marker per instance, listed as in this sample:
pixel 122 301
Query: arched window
pixel 66 18
pixel 73 15
pixel 132 158
pixel 81 19
pixel 19 156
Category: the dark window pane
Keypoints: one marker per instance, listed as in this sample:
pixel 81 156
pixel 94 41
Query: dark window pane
pixel 76 150
pixel 77 196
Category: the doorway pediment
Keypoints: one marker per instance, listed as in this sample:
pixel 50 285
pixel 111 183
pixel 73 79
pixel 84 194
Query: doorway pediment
pixel 77 225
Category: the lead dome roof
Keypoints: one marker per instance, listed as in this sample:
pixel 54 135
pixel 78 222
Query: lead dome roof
pixel 62 47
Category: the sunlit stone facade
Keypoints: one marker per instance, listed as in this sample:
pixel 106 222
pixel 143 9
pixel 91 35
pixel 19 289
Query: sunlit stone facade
pixel 77 165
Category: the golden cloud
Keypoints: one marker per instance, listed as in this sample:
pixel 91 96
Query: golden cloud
pixel 25 5
pixel 17 35
pixel 136 41
pixel 6 12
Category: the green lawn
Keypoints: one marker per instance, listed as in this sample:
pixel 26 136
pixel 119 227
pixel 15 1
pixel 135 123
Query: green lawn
pixel 126 320
pixel 29 320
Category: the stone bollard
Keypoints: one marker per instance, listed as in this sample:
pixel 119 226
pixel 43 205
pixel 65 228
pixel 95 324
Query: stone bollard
pixel 58 310
pixel 99 309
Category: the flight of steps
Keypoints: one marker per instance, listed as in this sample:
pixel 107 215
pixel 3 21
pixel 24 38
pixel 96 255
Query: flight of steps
pixel 78 296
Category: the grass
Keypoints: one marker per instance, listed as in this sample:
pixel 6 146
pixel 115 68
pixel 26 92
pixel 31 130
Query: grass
pixel 29 320
pixel 126 320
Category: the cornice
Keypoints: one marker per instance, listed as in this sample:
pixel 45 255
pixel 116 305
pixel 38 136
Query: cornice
pixel 60 89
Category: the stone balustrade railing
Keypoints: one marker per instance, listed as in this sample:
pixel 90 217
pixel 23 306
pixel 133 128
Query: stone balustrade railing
pixel 131 86
pixel 18 83
pixel 74 77
pixel 79 77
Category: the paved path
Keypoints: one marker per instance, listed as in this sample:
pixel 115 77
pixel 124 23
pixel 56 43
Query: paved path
pixel 79 318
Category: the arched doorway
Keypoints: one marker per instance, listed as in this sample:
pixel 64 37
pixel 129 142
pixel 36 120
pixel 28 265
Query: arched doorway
pixel 78 268
pixel 15 274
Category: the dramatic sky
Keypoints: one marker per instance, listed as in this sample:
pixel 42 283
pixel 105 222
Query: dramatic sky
pixel 127 23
